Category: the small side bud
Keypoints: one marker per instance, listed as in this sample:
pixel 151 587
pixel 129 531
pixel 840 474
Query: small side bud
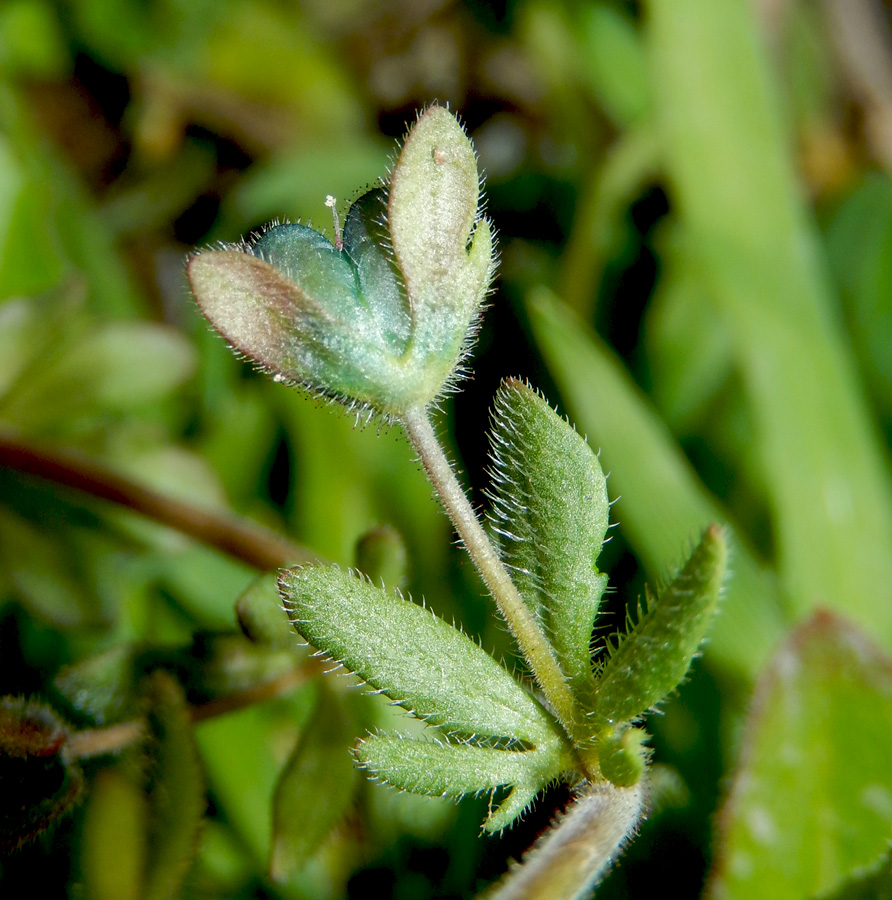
pixel 622 755
pixel 381 318
pixel 381 555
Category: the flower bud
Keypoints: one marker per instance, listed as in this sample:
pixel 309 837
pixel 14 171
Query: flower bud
pixel 383 320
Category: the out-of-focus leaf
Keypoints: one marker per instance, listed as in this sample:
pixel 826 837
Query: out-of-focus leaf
pixel 315 789
pixel 381 557
pixel 63 233
pixel 812 798
pixel 217 665
pixel 744 225
pixel 689 353
pixel 114 838
pixel 662 505
pixel 29 259
pixel 871 883
pixel 296 183
pixel 203 582
pixel 27 326
pixel 175 791
pixel 343 485
pixel 101 686
pixel 115 368
pixel 612 62
pixel 31 43
pixel 432 669
pixel 40 570
pixel 243 753
pixel 261 615
pixel 271 55
pixel 859 245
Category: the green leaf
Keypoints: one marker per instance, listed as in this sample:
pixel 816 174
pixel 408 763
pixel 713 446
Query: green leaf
pixel 40 571
pixel 315 789
pixel 175 789
pixel 811 800
pixel 381 557
pixel 261 616
pixel 441 769
pixel 99 686
pixel 417 659
pixel 859 248
pixel 654 656
pixel 115 367
pixel 29 258
pixel 551 512
pixel 613 63
pixel 871 883
pixel 662 501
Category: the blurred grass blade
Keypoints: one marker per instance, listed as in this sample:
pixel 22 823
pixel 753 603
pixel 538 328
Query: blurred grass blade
pixel 733 184
pixel 662 505
pixel 812 797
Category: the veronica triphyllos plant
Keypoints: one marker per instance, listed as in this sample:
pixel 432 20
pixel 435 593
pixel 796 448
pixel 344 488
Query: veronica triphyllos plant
pixel 382 321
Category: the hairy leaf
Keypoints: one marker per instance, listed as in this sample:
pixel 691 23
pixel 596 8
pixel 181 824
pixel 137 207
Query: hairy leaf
pixel 551 511
pixel 441 769
pixel 663 500
pixel 414 657
pixel 653 657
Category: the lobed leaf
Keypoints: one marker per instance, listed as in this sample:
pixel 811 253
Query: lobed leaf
pixel 415 658
pixel 653 657
pixel 551 512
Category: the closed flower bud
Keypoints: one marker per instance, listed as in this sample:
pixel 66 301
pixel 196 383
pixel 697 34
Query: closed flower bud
pixel 383 320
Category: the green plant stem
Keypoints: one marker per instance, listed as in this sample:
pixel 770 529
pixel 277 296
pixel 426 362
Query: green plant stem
pixel 517 615
pixel 577 851
pixel 253 544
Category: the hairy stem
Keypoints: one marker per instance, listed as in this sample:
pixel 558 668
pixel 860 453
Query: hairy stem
pixel 259 547
pixel 517 615
pixel 577 851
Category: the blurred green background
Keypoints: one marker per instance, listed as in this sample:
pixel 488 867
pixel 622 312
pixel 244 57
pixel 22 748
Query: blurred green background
pixel 695 227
